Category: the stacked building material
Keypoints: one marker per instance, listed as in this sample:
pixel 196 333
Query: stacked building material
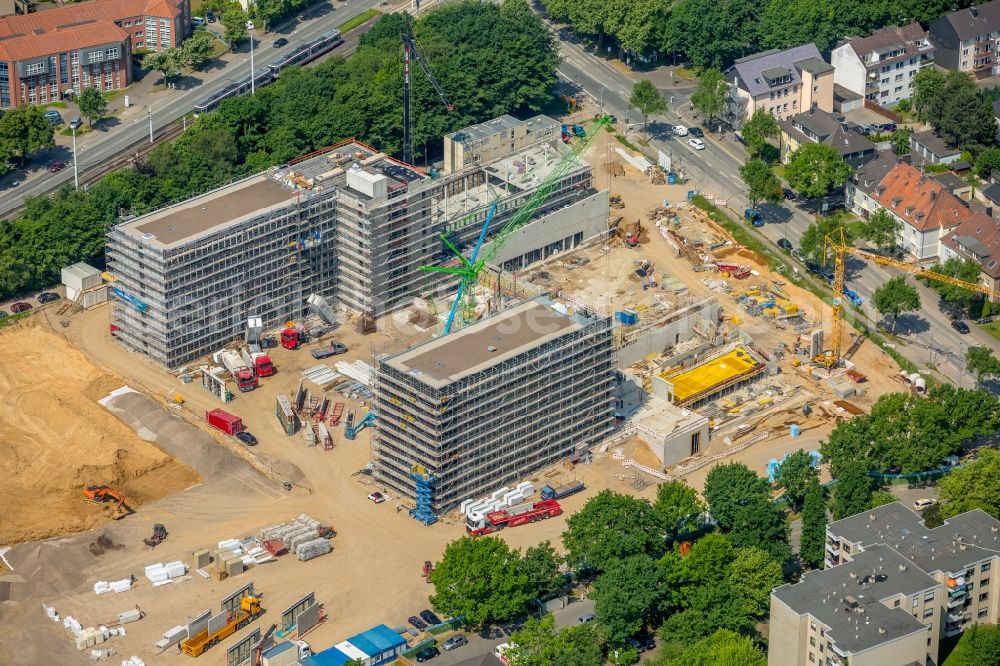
pixel 358 371
pixel 314 548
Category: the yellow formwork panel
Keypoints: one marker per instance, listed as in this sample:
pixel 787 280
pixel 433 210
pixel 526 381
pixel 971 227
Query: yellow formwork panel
pixel 702 378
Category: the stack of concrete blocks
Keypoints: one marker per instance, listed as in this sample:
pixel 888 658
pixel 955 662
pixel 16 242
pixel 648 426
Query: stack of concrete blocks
pixel 97 655
pixel 254 553
pixel 132 615
pixel 160 574
pixel 200 558
pixel 90 636
pixel 133 661
pixel 524 490
pixel 314 548
pixel 52 613
pixel 103 586
pixel 172 637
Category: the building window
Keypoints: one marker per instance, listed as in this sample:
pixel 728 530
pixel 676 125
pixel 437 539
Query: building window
pixel 812 657
pixel 984 582
pixel 982 612
pixel 63 70
pixel 95 56
pixel 812 641
pixel 34 69
pixel 985 567
pixel 113 53
pixel 928 612
pixel 695 443
pixel 895 604
pixel 915 602
pixel 983 596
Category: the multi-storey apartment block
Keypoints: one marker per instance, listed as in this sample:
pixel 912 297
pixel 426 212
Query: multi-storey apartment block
pixel 966 40
pixel 881 67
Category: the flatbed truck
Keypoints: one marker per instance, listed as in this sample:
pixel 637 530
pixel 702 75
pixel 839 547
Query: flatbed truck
pixel 494 521
pixel 562 490
pixel 249 610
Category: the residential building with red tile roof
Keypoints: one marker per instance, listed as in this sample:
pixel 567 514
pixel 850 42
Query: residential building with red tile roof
pixel 83 45
pixel 977 239
pixel 927 210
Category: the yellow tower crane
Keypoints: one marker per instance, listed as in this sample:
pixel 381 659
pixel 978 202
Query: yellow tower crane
pixel 837 242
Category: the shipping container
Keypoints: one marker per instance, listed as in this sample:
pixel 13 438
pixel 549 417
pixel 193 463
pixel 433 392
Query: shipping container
pixel 224 421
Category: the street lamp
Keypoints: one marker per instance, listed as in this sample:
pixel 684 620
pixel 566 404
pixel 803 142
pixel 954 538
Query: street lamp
pixel 76 173
pixel 253 83
pixel 149 111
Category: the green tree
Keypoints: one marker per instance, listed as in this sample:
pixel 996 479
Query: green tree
pixel 813 241
pixel 975 486
pixel 965 270
pixel 93 105
pixel 895 297
pixel 928 86
pixel 722 648
pixel 234 27
pixel 538 643
pixel 980 644
pixel 988 163
pixel 610 527
pixel 759 130
pixel 167 62
pixel 678 507
pixel 626 593
pixel 197 49
pixel 853 492
pixel 647 100
pixel 881 228
pixel 981 362
pixel 761 182
pixel 541 565
pixel 965 120
pixel 762 524
pixel 709 98
pixel 794 476
pixel 480 579
pixel 730 486
pixel 900 141
pixel 24 130
pixel 880 497
pixel 816 169
pixel 813 540
pixel 707 565
pixel 711 33
pixel 712 607
pixel 752 575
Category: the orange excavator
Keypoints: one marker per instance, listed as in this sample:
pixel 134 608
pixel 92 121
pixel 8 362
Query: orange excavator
pixel 102 494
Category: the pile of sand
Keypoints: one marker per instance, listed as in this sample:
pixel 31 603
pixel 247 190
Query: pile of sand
pixel 55 439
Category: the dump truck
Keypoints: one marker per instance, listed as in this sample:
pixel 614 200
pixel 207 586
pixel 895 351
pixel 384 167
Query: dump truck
pixel 241 373
pixel 258 361
pixel 290 338
pixel 494 521
pixel 562 490
pixel 248 611
pixel 224 421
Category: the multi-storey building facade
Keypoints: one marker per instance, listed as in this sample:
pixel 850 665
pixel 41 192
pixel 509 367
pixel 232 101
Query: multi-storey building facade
pixel 350 224
pixel 86 45
pixel 784 83
pixel 966 40
pixel 882 66
pixel 890 591
pixel 494 401
pixel 489 141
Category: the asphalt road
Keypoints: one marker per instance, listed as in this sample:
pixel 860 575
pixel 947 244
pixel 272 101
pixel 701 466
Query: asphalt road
pixel 715 172
pixel 100 147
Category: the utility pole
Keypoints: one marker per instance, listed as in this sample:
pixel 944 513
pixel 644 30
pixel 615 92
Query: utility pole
pixel 149 111
pixel 406 100
pixel 76 173
pixel 253 79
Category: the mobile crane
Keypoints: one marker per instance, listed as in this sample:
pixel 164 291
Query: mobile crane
pixel 410 52
pixel 837 242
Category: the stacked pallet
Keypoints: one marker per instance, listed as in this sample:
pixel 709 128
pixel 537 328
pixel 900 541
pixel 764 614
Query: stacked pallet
pixel 302 537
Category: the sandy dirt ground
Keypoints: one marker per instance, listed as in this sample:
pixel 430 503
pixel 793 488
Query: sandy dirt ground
pixel 55 439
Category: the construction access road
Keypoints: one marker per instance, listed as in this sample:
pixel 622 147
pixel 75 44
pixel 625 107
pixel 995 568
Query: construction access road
pixel 931 342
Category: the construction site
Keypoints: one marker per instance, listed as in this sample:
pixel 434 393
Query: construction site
pixel 319 447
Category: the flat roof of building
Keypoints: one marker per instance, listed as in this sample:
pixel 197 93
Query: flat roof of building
pixel 699 379
pixel 663 418
pixel 848 598
pixel 486 343
pixel 962 540
pixel 501 125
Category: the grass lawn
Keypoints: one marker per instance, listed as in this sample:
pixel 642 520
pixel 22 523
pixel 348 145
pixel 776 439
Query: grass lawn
pixel 54 105
pixel 360 19
pixel 993 328
pixel 80 131
pixel 686 73
pixel 779 171
pixel 196 7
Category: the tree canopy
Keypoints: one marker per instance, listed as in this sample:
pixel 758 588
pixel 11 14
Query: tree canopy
pixel 762 524
pixel 480 579
pixel 762 184
pixel 979 644
pixel 975 486
pixel 646 99
pixel 853 492
pixel 722 648
pixel 895 297
pixel 628 591
pixel 730 486
pixel 982 363
pixel 491 59
pixel 965 270
pixel 881 228
pixel 541 565
pixel 93 105
pixel 611 527
pixel 816 169
pixel 794 475
pixel 709 98
pixel 812 544
pixel 24 130
pixel 758 130
pixel 539 643
pixel 678 507
pixel 813 242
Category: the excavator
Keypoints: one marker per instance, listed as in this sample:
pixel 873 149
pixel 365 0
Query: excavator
pixel 102 494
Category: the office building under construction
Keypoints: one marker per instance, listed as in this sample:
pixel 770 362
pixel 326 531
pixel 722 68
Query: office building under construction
pixel 474 410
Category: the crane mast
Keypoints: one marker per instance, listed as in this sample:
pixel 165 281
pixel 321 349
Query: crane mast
pixel 410 52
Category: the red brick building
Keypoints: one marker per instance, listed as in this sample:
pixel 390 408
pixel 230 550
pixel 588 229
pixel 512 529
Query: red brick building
pixel 85 45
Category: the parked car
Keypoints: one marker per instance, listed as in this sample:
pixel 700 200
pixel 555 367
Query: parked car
pixel 197 21
pixel 75 122
pixel 798 255
pixel 53 117
pixel 696 131
pixel 789 193
pixel 828 274
pixel 268 342
pixel 334 349
pixel 47 297
pixel 417 622
pixel 680 130
pixel 635 645
pixel 923 503
pixel 455 642
pixel 585 618
pixel 20 306
pixel 210 16
pixel 754 217
pixel 427 653
pixel 648 641
pixel 696 143
pixel 56 167
pixel 429 617
pixel 250 25
pixel 785 244
pixel 378 498
pixel 958 325
pixel 278 43
pixel 888 127
pixel 246 438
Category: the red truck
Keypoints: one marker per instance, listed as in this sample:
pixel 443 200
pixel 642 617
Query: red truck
pixel 290 338
pixel 512 517
pixel 241 373
pixel 224 421
pixel 259 362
